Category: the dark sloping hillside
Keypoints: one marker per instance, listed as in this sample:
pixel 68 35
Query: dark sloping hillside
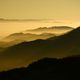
pixel 46 69
pixel 69 43
pixel 2 49
pixel 62 46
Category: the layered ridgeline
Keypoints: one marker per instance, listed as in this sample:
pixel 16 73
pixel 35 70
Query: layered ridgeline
pixel 17 38
pixel 27 52
pixel 46 69
pixel 57 30
pixel 30 35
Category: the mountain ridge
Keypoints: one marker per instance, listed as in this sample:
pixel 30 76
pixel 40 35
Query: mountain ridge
pixel 58 30
pixel 59 47
pixel 46 69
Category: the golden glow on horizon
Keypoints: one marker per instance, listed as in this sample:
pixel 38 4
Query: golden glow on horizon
pixel 9 27
pixel 40 9
pixel 67 11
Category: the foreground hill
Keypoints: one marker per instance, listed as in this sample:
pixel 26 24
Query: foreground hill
pixel 46 69
pixel 27 52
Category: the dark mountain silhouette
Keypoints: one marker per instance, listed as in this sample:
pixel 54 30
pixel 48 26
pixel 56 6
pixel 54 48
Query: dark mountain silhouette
pixel 46 69
pixel 17 38
pixel 2 49
pixel 68 43
pixel 26 52
pixel 57 30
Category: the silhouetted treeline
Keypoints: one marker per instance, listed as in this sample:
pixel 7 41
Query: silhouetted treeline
pixel 46 69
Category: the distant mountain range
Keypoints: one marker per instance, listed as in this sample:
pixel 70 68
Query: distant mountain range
pixel 27 52
pixel 3 19
pixel 42 20
pixel 57 30
pixel 17 38
pixel 44 33
pixel 27 36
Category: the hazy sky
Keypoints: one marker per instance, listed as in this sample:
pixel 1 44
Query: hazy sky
pixel 67 11
pixel 40 9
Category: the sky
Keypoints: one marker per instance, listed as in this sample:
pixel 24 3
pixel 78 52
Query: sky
pixel 40 9
pixel 65 11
